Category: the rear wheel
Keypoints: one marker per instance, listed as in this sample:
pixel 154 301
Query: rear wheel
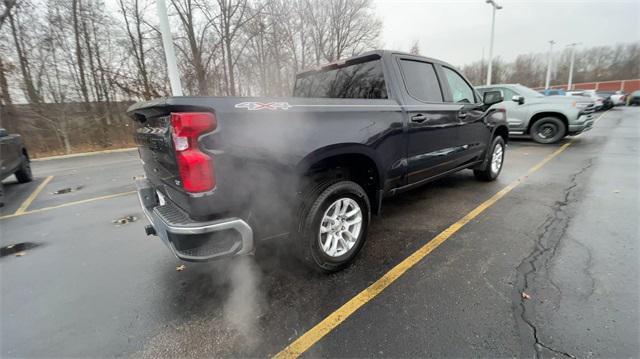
pixel 23 174
pixel 548 130
pixel 333 224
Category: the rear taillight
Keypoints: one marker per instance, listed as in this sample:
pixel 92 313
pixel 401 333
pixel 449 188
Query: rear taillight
pixel 195 167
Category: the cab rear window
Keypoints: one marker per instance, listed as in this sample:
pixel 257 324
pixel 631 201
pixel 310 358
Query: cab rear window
pixel 363 79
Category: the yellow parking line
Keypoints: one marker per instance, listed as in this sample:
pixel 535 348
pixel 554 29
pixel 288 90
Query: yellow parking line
pixel 83 154
pixel 308 339
pixel 32 196
pixel 68 204
pixel 601 116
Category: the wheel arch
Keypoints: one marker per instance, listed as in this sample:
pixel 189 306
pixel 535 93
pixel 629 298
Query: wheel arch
pixel 360 164
pixel 502 131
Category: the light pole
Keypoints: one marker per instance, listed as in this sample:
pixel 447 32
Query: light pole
pixel 169 52
pixel 493 24
pixel 573 57
pixel 546 83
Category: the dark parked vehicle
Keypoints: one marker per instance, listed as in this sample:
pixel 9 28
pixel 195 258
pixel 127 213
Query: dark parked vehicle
pixel 607 103
pixel 223 173
pixel 634 98
pixel 14 158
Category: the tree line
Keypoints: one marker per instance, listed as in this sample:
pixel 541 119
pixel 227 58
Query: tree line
pixel 74 62
pixel 89 51
pixel 598 63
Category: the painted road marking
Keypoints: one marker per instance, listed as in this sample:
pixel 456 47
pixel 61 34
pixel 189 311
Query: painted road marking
pixel 82 154
pixel 312 336
pixel 23 207
pixel 69 204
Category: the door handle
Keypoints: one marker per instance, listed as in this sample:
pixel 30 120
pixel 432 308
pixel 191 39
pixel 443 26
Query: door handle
pixel 419 118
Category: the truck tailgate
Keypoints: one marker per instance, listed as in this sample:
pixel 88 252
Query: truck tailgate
pixel 153 137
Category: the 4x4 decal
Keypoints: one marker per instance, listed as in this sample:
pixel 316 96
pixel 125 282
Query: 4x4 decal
pixel 252 106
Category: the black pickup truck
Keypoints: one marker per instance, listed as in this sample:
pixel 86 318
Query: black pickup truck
pixel 223 173
pixel 14 159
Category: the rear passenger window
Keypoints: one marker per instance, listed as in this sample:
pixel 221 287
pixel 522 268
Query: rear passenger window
pixel 460 89
pixel 421 81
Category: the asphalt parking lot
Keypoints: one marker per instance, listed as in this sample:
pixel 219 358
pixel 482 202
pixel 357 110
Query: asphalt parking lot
pixel 550 268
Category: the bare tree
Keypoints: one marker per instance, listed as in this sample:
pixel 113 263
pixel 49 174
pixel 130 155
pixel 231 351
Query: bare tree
pixel 18 34
pixel 231 18
pixel 132 14
pixel 5 96
pixel 5 9
pixel 415 48
pixel 82 81
pixel 198 37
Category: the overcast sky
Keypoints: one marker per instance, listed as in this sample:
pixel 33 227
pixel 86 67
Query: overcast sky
pixel 456 31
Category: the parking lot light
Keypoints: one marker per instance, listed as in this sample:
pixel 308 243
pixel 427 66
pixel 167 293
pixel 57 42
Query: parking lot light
pixel 493 23
pixel 169 51
pixel 548 79
pixel 573 58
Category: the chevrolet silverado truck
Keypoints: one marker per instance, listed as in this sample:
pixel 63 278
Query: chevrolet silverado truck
pixel 224 173
pixel 545 119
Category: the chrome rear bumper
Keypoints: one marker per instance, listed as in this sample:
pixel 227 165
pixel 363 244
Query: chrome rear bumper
pixel 191 240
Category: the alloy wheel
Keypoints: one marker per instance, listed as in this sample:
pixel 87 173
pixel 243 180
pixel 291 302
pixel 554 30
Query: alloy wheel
pixel 340 227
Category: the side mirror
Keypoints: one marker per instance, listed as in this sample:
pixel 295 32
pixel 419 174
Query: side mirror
pixel 3 132
pixel 518 99
pixel 492 97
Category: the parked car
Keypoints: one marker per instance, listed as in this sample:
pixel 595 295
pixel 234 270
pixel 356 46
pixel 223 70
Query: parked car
pixel 552 92
pixel 607 103
pixel 600 99
pixel 597 100
pixel 14 158
pixel 618 98
pixel 544 119
pixel 224 173
pixel 634 98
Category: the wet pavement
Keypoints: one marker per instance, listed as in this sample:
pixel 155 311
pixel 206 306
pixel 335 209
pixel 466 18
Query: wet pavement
pixel 90 285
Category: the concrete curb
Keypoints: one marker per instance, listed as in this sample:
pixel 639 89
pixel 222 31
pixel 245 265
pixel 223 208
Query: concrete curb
pixel 84 154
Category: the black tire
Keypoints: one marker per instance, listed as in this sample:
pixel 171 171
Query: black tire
pixel 489 172
pixel 548 130
pixel 24 174
pixel 316 201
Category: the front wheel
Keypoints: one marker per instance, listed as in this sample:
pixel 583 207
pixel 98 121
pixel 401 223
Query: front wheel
pixel 548 130
pixel 494 161
pixel 333 225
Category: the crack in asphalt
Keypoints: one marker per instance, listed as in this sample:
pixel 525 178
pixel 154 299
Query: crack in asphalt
pixel 546 246
pixel 586 269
